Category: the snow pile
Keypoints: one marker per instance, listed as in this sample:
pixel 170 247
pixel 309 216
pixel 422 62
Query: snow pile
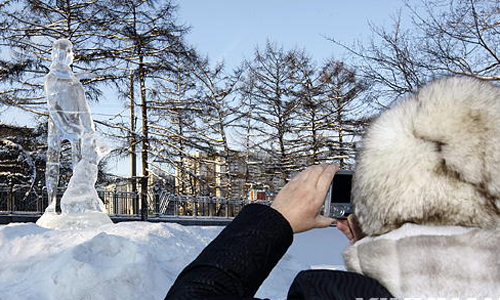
pixel 132 260
pixel 73 221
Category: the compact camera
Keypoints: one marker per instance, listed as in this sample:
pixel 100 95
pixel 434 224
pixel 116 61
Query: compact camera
pixel 338 199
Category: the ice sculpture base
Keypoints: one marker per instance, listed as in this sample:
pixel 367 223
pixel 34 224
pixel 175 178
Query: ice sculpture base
pixel 73 220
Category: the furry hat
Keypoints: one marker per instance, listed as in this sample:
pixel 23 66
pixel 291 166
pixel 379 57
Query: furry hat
pixel 433 158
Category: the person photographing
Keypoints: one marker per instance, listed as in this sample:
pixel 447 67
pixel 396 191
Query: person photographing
pixel 236 263
pixel 426 196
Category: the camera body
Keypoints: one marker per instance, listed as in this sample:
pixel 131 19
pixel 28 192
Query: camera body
pixel 338 199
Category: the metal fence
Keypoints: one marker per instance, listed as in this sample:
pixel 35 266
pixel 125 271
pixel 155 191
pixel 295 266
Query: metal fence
pixel 27 199
pixel 21 198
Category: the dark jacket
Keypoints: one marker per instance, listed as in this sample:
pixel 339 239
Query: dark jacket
pixel 234 265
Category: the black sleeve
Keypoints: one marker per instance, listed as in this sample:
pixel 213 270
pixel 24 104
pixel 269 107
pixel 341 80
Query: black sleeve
pixel 234 265
pixel 336 285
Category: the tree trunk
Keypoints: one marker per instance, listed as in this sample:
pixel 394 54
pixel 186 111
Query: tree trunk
pixel 145 140
pixel 132 143
pixel 341 135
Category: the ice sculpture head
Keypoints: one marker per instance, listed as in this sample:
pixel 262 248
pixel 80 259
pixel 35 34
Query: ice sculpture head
pixel 62 52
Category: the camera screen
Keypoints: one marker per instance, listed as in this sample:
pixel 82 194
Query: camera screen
pixel 341 188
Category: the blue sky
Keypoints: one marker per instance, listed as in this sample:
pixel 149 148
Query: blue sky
pixel 230 30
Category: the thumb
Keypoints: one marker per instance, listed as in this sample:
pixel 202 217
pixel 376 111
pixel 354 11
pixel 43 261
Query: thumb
pixel 322 221
pixel 354 227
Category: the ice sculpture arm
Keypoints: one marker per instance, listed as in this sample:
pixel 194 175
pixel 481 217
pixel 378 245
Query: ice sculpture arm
pixel 80 99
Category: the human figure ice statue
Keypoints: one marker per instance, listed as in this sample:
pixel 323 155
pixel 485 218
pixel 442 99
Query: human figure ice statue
pixel 70 119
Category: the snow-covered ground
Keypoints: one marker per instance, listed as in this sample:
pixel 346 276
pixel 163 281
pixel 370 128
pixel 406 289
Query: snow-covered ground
pixel 132 260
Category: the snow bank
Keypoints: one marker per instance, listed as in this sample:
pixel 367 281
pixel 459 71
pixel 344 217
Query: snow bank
pixel 132 260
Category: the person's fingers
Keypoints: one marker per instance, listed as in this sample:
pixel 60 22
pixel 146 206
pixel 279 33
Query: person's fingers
pixel 300 200
pixel 322 221
pixel 344 228
pixel 312 173
pixel 351 221
pixel 304 175
pixel 354 227
pixel 326 177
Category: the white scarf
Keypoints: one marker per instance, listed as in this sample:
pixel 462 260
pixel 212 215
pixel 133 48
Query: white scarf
pixel 417 261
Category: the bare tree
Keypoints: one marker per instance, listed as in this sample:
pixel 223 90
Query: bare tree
pixel 329 114
pixel 391 63
pixel 445 37
pixel 145 39
pixel 174 126
pixel 460 37
pixel 219 112
pixel 342 90
pixel 267 86
pixel 311 133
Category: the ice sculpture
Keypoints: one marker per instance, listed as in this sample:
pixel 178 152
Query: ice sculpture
pixel 70 119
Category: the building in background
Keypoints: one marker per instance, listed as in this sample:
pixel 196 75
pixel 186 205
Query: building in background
pixel 235 175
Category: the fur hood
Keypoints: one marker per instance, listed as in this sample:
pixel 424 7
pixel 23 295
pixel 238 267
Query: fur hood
pixel 433 159
pixel 418 261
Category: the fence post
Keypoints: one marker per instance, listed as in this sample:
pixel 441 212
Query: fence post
pixel 226 201
pixel 176 204
pixel 144 206
pixel 135 202
pixel 211 202
pixel 156 191
pixel 39 205
pixel 10 196
pixel 195 207
pixel 115 202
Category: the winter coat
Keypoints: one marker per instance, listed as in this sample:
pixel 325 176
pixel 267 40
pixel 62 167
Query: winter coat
pixel 236 263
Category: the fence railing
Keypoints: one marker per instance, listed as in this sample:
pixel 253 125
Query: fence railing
pixel 27 199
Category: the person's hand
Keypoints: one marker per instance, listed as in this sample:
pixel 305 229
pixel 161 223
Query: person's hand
pixel 301 199
pixel 350 228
